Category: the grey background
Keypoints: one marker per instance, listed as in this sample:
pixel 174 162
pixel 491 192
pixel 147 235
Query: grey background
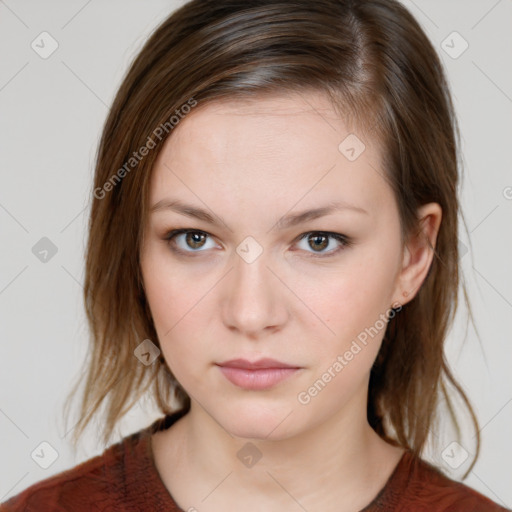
pixel 51 114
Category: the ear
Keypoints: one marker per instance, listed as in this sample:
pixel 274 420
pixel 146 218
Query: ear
pixel 418 253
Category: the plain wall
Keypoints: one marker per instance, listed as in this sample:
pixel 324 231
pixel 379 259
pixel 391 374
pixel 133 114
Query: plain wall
pixel 51 114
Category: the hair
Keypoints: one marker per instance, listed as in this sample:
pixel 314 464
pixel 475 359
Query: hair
pixel 378 68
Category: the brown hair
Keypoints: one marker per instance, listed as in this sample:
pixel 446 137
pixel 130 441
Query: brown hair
pixel 378 68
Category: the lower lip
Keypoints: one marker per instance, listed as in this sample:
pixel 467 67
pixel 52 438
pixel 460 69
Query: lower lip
pixel 264 378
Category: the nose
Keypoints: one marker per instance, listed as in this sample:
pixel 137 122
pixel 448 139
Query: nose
pixel 254 300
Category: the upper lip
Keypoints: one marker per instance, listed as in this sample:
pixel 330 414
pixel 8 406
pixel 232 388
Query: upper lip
pixel 255 365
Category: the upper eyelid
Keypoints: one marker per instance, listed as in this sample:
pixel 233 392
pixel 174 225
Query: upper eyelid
pixel 182 231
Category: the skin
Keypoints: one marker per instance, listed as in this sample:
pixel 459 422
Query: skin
pixel 251 163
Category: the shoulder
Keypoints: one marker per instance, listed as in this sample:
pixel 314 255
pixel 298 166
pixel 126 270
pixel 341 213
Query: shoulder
pixel 425 487
pixel 94 485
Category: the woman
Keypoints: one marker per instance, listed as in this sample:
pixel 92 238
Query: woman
pixel 273 252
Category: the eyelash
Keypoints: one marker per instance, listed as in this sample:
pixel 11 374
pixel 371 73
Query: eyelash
pixel 342 239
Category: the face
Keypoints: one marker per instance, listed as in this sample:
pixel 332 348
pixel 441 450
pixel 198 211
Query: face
pixel 250 276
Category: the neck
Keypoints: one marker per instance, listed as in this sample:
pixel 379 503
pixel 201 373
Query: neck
pixel 338 457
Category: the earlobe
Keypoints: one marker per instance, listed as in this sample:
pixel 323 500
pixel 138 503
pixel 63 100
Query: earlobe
pixel 419 252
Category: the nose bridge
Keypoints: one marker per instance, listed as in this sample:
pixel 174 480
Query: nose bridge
pixel 253 300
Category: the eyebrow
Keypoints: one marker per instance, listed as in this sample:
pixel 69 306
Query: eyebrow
pixel 284 222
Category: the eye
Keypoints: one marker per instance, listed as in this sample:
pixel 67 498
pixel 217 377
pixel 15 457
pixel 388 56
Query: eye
pixel 319 241
pixel 316 243
pixel 188 240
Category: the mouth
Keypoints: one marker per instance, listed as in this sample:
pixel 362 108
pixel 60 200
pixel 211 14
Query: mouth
pixel 257 375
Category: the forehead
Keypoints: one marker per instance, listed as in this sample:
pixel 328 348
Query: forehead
pixel 286 149
pixel 264 124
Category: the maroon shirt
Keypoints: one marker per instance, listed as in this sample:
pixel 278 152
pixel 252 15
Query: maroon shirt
pixel 124 478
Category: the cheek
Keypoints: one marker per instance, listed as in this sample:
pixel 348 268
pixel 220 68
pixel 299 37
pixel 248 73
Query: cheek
pixel 351 304
pixel 354 296
pixel 170 295
pixel 171 316
pixel 178 295
pixel 172 291
pixel 354 306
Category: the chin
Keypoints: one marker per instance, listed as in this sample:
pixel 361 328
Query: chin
pixel 257 421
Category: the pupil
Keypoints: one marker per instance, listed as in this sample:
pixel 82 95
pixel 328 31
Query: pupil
pixel 194 239
pixel 320 237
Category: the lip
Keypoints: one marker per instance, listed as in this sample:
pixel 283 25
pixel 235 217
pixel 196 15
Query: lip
pixel 257 375
pixel 264 363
